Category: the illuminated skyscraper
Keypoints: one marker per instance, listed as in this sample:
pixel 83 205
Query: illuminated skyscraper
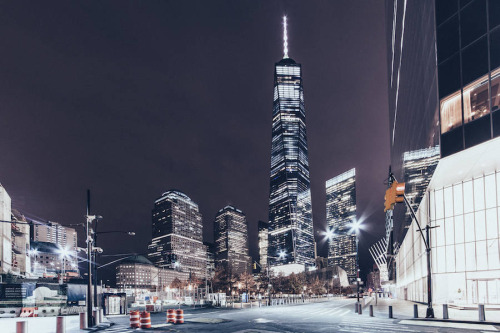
pixel 418 168
pixel 263 244
pixel 177 234
pixel 291 243
pixel 340 216
pixel 231 241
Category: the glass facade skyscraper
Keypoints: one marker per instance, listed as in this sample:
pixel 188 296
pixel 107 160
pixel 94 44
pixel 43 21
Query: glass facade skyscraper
pixel 291 241
pixel 444 77
pixel 177 234
pixel 340 217
pixel 231 241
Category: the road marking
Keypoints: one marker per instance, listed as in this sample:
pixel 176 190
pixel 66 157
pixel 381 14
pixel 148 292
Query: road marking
pixel 345 312
pixel 262 320
pixel 482 327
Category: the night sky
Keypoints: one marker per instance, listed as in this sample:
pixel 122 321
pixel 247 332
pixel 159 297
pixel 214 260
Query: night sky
pixel 133 98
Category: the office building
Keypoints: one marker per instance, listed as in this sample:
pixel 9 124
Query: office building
pixel 291 239
pixel 137 272
pixel 263 244
pixel 444 77
pixel 177 240
pixel 340 220
pixel 231 241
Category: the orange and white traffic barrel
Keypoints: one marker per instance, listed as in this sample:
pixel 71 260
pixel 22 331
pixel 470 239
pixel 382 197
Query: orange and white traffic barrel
pixel 145 320
pixel 179 316
pixel 171 316
pixel 135 319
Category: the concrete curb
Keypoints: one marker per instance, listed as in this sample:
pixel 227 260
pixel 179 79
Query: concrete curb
pixel 455 321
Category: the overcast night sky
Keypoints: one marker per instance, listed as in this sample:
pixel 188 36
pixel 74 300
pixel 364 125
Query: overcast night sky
pixel 133 98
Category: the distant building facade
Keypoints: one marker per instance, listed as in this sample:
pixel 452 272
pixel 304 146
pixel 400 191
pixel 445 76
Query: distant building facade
pixel 340 217
pixel 47 261
pixel 138 272
pixel 418 168
pixel 177 239
pixel 231 241
pixel 263 244
pixel 53 232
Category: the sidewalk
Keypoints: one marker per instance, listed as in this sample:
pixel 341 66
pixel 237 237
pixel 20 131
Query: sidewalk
pixel 404 310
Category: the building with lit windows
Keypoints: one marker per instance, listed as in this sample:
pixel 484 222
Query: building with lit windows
pixel 137 272
pixel 47 260
pixel 340 217
pixel 52 232
pixel 177 240
pixel 263 244
pixel 444 78
pixel 291 241
pixel 231 241
pixel 418 168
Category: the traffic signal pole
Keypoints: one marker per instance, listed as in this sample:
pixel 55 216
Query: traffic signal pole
pixel 430 310
pixel 395 194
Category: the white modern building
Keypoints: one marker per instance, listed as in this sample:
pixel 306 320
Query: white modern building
pixel 463 203
pixel 5 232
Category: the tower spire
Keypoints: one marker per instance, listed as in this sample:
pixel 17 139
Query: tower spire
pixel 285 39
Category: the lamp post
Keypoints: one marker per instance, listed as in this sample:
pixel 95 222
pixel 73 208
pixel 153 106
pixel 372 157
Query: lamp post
pixel 355 226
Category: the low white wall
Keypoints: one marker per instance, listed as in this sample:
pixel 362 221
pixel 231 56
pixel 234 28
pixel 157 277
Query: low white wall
pixel 39 324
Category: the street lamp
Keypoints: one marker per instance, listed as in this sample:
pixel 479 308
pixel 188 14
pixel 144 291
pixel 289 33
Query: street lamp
pixel 63 254
pixel 355 227
pixel 90 241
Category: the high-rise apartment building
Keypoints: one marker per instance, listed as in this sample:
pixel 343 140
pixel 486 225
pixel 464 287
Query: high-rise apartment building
pixel 444 81
pixel 50 241
pixel 53 232
pixel 231 241
pixel 263 244
pixel 340 220
pixel 177 239
pixel 291 238
pixel 5 232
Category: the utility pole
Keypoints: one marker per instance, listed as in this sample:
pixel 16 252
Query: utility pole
pixel 89 263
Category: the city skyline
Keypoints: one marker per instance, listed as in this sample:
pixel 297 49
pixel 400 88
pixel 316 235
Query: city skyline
pixel 126 177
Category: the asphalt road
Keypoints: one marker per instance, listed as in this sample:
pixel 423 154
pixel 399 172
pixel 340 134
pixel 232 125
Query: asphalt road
pixel 331 316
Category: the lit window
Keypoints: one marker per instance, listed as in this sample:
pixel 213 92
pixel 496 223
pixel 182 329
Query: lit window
pixel 476 99
pixel 451 112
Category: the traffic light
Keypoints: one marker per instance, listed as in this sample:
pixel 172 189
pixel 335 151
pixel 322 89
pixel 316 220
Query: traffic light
pixel 400 192
pixel 393 195
pixel 390 199
pixel 254 265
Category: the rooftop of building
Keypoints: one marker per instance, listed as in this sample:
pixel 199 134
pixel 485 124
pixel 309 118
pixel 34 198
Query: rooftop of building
pixel 287 61
pixel 232 208
pixel 138 259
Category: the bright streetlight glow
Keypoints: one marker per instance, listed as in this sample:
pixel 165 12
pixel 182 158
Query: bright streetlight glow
pixel 282 254
pixel 355 226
